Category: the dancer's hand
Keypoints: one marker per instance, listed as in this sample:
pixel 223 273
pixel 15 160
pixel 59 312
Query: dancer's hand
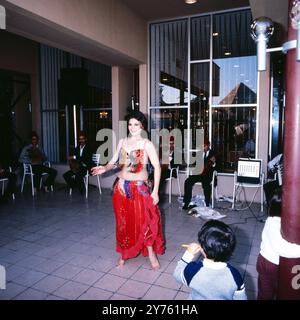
pixel 155 197
pixel 98 170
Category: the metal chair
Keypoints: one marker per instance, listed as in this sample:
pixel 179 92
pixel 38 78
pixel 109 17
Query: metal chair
pixel 3 180
pixel 96 160
pixel 243 185
pixel 170 181
pixel 27 171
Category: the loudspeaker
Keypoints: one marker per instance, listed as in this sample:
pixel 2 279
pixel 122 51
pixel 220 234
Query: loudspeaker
pixel 73 87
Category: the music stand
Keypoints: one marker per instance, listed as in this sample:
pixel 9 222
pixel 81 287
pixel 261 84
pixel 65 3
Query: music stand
pixel 249 175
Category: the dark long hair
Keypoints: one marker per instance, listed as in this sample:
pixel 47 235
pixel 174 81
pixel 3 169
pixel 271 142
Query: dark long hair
pixel 138 115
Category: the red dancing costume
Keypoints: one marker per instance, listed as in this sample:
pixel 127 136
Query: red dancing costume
pixel 138 222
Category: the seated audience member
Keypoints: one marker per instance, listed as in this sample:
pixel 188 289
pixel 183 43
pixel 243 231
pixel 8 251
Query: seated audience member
pixel 273 245
pixel 211 278
pixel 275 166
pixel 80 162
pixel 33 154
pixel 11 183
pixel 205 177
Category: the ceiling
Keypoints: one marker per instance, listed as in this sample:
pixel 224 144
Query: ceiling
pixel 152 10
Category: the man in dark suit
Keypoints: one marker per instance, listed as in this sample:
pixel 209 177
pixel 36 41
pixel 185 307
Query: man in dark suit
pixel 80 162
pixel 205 177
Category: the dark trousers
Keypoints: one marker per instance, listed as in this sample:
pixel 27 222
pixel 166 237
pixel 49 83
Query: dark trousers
pixel 11 184
pixel 267 279
pixel 269 189
pixel 38 170
pixel 188 188
pixel 75 179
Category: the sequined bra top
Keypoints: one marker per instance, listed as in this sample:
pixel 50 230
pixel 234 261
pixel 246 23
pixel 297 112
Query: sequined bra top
pixel 134 160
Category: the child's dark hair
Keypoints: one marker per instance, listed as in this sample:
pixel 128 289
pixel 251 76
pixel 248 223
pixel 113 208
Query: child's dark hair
pixel 138 115
pixel 217 240
pixel 275 204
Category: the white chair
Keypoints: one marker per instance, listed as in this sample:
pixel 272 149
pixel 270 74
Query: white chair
pixel 96 160
pixel 214 188
pixel 244 185
pixel 172 178
pixel 27 171
pixel 3 180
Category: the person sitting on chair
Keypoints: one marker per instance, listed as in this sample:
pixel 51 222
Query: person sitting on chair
pixel 11 183
pixel 80 162
pixel 205 177
pixel 34 155
pixel 275 166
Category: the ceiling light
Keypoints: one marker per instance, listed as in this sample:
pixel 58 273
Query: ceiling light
pixel 190 1
pixel 227 53
pixel 215 34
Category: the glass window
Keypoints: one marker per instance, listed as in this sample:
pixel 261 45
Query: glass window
pixel 199 99
pixel 200 38
pixel 231 35
pixel 171 119
pixel 235 81
pixel 233 135
pixel 169 63
pixel 223 82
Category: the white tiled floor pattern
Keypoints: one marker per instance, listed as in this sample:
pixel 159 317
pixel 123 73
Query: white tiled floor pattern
pixel 57 246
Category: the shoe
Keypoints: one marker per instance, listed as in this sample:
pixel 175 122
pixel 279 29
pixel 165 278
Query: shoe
pixel 46 189
pixel 185 207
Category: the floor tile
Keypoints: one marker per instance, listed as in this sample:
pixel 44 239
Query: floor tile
pixel 134 289
pixel 110 282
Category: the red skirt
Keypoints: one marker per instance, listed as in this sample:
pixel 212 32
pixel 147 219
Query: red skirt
pixel 138 221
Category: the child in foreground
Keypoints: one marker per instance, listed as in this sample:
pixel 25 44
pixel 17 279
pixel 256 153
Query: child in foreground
pixel 212 278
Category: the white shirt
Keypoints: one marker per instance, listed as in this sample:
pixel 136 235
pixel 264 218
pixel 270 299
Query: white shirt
pixel 81 150
pixel 273 245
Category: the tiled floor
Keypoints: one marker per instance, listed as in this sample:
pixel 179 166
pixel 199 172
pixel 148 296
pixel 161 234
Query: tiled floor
pixel 56 246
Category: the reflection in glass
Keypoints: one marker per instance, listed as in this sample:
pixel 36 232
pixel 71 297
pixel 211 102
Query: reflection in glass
pixel 199 99
pixel 169 63
pixel 237 81
pixel 233 135
pixel 171 119
pixel 231 35
pixel 200 38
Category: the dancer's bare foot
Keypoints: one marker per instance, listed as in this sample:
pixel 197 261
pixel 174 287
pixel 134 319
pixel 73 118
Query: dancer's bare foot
pixel 154 261
pixel 120 263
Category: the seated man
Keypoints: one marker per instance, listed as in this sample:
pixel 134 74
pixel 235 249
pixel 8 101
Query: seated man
pixel 205 177
pixel 33 154
pixel 11 183
pixel 80 162
pixel 275 166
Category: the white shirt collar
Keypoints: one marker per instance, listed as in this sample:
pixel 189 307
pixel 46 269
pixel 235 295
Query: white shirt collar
pixel 214 265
